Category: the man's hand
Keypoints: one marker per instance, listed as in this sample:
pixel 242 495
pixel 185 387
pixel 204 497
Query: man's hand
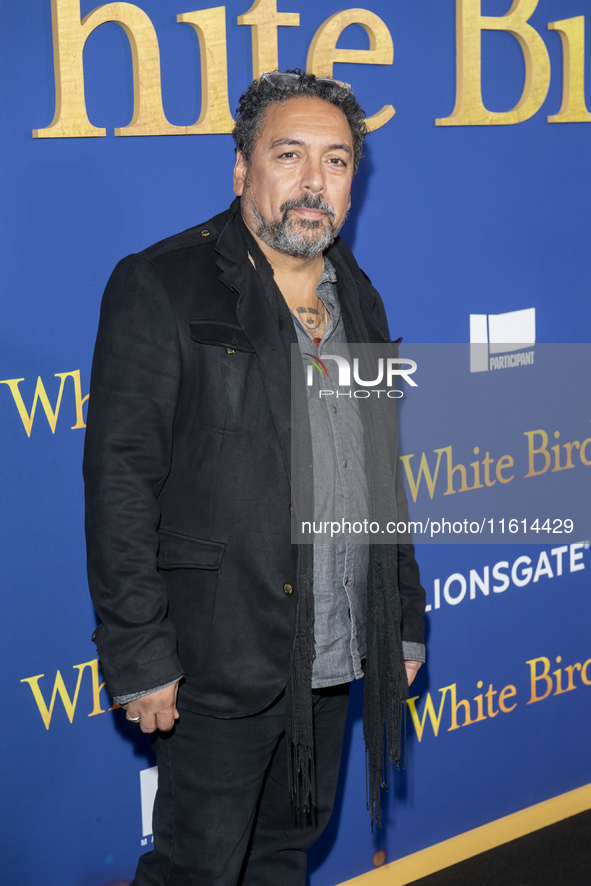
pixel 156 710
pixel 411 670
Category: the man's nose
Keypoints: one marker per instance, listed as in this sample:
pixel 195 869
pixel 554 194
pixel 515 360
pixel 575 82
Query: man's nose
pixel 313 176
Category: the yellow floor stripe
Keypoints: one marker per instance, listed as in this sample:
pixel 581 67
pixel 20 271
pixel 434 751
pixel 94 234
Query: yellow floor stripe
pixel 488 836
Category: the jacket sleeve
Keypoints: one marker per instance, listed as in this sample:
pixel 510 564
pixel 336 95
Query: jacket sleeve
pixel 412 595
pixel 133 393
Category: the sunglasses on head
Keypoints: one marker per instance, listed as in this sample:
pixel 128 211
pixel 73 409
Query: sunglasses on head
pixel 277 78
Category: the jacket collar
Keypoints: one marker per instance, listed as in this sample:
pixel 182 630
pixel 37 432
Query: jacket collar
pixel 255 316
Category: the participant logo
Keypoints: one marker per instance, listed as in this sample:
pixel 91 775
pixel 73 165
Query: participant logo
pixel 502 341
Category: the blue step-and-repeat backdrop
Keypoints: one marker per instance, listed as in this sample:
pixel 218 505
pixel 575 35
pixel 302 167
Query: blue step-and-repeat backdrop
pixel 470 214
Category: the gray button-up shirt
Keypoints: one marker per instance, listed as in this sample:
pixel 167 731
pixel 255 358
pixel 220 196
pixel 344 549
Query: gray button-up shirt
pixel 340 489
pixel 340 568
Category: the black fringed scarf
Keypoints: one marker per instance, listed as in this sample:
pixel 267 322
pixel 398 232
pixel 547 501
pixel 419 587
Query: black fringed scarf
pixel 386 686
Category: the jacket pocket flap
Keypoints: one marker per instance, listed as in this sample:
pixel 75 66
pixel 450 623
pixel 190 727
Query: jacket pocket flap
pixel 226 335
pixel 185 552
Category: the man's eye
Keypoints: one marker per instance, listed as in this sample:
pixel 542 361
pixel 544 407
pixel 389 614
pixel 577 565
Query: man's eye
pixel 288 154
pixel 337 161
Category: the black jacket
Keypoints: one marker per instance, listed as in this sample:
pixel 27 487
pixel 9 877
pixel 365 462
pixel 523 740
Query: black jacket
pixel 186 467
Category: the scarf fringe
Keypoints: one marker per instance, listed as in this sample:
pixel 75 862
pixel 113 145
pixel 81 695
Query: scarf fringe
pixel 300 714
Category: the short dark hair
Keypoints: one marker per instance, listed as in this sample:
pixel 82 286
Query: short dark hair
pixel 261 93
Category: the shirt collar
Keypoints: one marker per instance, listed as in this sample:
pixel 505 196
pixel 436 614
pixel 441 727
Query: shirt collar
pixel 329 274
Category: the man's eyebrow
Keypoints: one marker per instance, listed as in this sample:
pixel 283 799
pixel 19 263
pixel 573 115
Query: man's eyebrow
pixel 285 141
pixel 345 148
pixel 295 141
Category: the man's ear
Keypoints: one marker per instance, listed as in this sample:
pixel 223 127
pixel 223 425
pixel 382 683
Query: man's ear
pixel 240 170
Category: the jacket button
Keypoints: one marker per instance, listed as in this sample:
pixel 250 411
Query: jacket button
pixel 205 233
pixel 288 588
pixel 291 511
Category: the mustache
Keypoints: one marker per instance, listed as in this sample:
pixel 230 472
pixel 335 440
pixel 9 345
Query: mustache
pixel 309 201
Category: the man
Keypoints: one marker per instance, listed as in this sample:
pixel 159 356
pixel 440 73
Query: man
pixel 233 645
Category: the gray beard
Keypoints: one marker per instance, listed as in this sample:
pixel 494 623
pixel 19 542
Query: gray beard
pixel 300 237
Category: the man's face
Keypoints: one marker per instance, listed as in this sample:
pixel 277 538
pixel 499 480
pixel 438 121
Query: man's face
pixel 296 189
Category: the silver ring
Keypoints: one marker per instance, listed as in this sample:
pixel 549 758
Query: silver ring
pixel 132 719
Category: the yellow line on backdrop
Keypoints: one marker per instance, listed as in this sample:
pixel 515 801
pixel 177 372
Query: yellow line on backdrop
pixel 488 836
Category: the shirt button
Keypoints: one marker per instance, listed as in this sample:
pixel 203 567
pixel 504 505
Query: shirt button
pixel 346 580
pixel 344 462
pixel 288 588
pixel 334 409
pixel 291 510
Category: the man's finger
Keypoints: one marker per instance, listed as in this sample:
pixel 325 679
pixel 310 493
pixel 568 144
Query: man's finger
pixel 132 712
pixel 411 670
pixel 165 720
pixel 148 723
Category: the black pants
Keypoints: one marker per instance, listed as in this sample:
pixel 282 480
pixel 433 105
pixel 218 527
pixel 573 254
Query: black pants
pixel 222 815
